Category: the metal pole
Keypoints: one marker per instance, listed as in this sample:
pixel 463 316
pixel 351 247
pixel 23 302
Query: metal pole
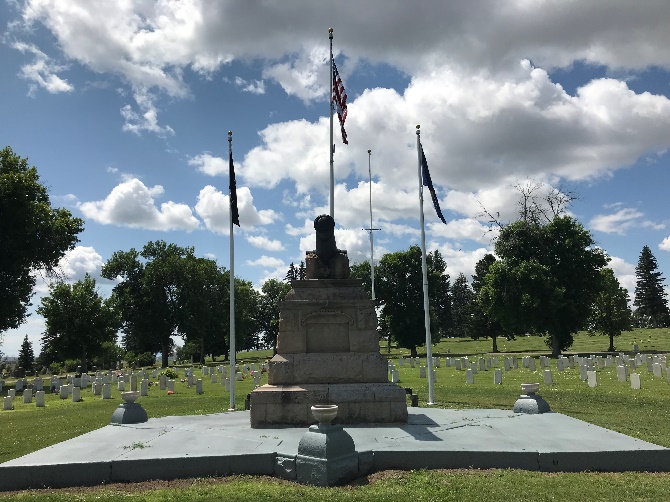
pixel 372 256
pixel 332 145
pixel 424 270
pixel 232 291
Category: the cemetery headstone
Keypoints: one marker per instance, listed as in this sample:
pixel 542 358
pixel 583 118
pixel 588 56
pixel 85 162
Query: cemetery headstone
pixel 8 403
pixel 497 376
pixel 592 377
pixel 198 386
pixel 422 372
pixel 122 386
pixel 170 385
pixel 469 377
pixel 28 396
pixel 38 384
pixel 548 378
pixel 212 377
pixel 11 393
pixel 144 388
pixel 583 375
pixel 458 364
pixel 133 383
pixel 531 364
pixel 635 382
pixel 64 391
pixel 39 399
pixel 18 386
pixel 76 394
pixel 658 371
pixel 106 391
pixel 622 373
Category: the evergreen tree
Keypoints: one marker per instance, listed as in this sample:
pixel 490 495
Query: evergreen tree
pixel 461 306
pixel 652 306
pixel 26 355
pixel 292 274
pixel 610 313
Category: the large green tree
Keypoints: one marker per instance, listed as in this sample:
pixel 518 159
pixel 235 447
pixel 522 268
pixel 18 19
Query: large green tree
pixel 399 290
pixel 482 325
pixel 462 298
pixel 33 235
pixel 546 279
pixel 650 297
pixel 78 321
pixel 610 314
pixel 273 292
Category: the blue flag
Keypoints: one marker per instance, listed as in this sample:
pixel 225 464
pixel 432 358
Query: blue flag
pixel 235 215
pixel 428 183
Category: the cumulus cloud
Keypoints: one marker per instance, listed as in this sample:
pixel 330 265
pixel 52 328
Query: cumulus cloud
pixel 208 164
pixel 305 77
pixel 621 221
pixel 42 71
pixel 132 204
pixel 263 242
pixel 214 208
pixel 253 87
pixel 147 117
pixel 665 244
pixel 266 262
pixel 80 261
pixel 625 273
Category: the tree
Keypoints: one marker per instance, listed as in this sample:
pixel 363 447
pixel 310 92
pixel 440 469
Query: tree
pixel 33 235
pixel 26 355
pixel 461 306
pixel 399 289
pixel 610 314
pixel 481 324
pixel 650 297
pixel 292 273
pixel 273 292
pixel 546 279
pixel 77 320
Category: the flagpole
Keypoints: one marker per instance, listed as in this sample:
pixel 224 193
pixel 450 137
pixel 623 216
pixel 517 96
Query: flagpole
pixel 372 256
pixel 232 288
pixel 332 145
pixel 424 271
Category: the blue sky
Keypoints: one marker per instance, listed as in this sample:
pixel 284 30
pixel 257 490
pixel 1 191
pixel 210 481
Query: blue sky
pixel 124 108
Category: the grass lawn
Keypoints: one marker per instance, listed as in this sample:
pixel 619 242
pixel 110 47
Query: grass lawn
pixel 644 414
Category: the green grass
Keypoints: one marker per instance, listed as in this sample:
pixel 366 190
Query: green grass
pixel 644 414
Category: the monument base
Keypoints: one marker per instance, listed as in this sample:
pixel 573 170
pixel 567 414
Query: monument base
pixel 273 405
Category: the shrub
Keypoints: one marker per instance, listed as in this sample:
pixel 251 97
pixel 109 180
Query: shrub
pixel 55 368
pixel 71 364
pixel 170 373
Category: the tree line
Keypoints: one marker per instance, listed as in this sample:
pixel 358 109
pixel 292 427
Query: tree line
pixel 547 278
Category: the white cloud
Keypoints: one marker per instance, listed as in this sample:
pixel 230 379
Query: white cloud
pixel 214 208
pixel 253 87
pixel 625 273
pixel 621 221
pixel 42 71
pixel 467 228
pixel 132 204
pixel 305 77
pixel 263 242
pixel 80 261
pixel 206 163
pixel 458 260
pixel 147 118
pixel 267 262
pixel 665 244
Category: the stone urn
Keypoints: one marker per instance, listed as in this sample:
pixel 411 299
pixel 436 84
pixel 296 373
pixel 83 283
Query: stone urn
pixel 130 396
pixel 324 413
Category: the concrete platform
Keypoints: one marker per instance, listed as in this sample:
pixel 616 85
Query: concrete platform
pixel 224 443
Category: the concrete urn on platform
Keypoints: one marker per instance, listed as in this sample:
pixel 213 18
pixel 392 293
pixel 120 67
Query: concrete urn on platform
pixel 327 349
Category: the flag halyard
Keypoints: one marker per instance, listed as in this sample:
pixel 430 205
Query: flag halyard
pixel 339 97
pixel 429 183
pixel 234 213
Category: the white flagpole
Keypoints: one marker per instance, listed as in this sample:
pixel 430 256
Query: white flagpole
pixel 424 270
pixel 372 256
pixel 332 145
pixel 232 291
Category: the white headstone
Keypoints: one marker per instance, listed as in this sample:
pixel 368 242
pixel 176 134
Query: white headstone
pixel 64 391
pixel 422 372
pixel 548 378
pixel 238 376
pixel 39 399
pixel 395 376
pixel 212 377
pixel 38 384
pixel 144 388
pixel 482 364
pixel 592 377
pixel 7 403
pixel 76 394
pixel 531 364
pixel 507 364
pixel 227 383
pixel 469 377
pixel 18 386
pixel 473 367
pixel 497 376
pixel 122 386
pixel 11 393
pixel 457 363
pixel 28 396
pixel 622 373
pixel 515 362
pixel 635 382
pixel 106 391
pixel 437 362
pixel 583 375
pixel 162 382
pixel 198 386
pixel 133 383
pixel 411 362
pixel 658 371
pixel 170 385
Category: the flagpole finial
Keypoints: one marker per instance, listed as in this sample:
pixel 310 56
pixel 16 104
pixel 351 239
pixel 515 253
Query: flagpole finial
pixel 369 151
pixel 230 133
pixel 418 129
pixel 330 33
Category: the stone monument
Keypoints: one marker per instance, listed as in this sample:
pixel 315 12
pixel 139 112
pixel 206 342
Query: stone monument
pixel 327 348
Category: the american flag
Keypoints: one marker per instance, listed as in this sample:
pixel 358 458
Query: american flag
pixel 340 100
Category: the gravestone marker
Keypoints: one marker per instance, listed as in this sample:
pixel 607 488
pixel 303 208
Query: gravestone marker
pixel 622 373
pixel 635 382
pixel 198 386
pixel 76 394
pixel 8 403
pixel 497 376
pixel 122 386
pixel 548 378
pixel 531 364
pixel 469 377
pixel 658 372
pixel 39 399
pixel 170 385
pixel 422 372
pixel 11 393
pixel 28 396
pixel 144 387
pixel 592 377
pixel 106 391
